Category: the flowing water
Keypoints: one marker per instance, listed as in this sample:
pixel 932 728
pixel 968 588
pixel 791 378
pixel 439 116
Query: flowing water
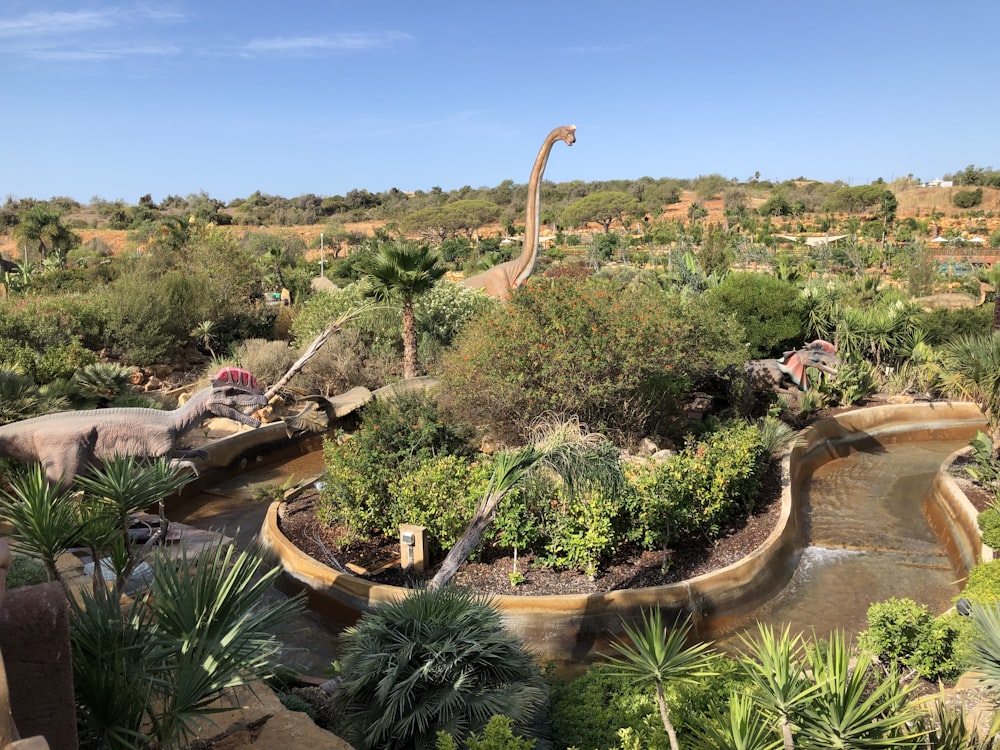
pixel 867 540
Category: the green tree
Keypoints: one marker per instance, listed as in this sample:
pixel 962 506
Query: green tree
pixel 402 271
pixel 41 229
pixel 771 311
pixel 657 655
pixel 603 208
pixel 434 661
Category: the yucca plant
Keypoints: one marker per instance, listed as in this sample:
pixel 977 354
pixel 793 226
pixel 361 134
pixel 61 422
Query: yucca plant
pixel 45 519
pixel 657 655
pixel 739 728
pixel 970 368
pixel 152 671
pixel 435 661
pixel 115 491
pixel 856 705
pixel 775 664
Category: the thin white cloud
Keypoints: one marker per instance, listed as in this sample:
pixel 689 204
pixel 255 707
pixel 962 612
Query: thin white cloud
pixel 80 36
pixel 56 23
pixel 313 45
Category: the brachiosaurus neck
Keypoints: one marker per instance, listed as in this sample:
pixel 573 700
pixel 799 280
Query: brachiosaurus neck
pixel 526 261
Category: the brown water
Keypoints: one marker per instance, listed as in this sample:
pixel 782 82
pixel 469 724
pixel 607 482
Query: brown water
pixel 233 508
pixel 867 541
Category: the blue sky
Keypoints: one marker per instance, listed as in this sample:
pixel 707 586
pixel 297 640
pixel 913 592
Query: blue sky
pixel 116 100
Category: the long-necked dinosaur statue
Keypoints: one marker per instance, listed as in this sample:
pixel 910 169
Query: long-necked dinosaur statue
pixel 67 443
pixel 501 280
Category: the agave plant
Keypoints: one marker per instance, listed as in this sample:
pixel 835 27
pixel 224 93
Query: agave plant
pixel 433 661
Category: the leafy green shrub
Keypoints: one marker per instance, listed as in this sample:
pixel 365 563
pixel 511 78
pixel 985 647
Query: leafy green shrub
pixel 699 490
pixel 588 711
pixel 498 734
pixel 393 437
pixel 939 326
pixel 433 661
pixel 25 571
pixel 967 198
pixel 904 634
pixel 771 311
pixel 440 493
pixel 983 584
pixel 989 525
pixel 294 702
pixel 617 359
pixel 581 530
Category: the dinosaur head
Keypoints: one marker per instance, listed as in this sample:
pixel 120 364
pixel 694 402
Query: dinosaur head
pixel 236 395
pixel 819 354
pixel 567 134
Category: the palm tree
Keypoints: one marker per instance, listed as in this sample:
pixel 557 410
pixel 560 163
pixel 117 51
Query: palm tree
pixel 561 446
pixel 204 332
pixel 433 661
pixel 970 367
pixel 657 655
pixel 41 228
pixel 401 271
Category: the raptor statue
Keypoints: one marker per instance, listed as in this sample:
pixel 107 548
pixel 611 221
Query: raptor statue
pixel 501 280
pixel 67 443
pixel 793 365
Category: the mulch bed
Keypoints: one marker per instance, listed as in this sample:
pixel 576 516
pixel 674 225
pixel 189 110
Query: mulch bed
pixel 490 573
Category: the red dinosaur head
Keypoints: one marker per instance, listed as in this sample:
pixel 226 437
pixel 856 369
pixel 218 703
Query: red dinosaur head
pixel 235 376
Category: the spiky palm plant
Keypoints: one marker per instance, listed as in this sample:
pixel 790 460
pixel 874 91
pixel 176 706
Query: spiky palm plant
pixel 45 519
pixel 948 728
pixel 433 661
pixel 657 655
pixel 740 729
pixel 401 271
pixel 101 382
pixel 856 706
pixel 970 368
pixel 116 490
pixel 153 670
pixel 774 663
pixel 19 397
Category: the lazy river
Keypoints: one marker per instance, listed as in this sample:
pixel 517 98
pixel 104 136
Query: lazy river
pixel 858 525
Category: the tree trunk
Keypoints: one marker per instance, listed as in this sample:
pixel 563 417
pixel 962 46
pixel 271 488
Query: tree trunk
pixel 996 309
pixel 467 543
pixel 301 362
pixel 409 341
pixel 661 701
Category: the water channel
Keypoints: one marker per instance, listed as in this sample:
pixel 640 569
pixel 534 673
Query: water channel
pixel 867 540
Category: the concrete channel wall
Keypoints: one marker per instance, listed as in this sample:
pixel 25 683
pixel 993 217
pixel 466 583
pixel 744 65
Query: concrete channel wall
pixel 571 627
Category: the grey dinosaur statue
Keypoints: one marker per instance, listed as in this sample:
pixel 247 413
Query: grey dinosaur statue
pixel 793 365
pixel 501 280
pixel 67 443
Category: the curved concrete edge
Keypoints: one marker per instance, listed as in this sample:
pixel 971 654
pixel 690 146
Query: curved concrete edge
pixel 571 627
